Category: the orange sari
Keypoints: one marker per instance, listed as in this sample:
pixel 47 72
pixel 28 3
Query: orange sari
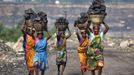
pixel 82 53
pixel 30 43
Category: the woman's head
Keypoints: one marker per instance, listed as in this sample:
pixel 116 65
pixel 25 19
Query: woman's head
pixel 83 33
pixel 40 35
pixel 61 34
pixel 96 29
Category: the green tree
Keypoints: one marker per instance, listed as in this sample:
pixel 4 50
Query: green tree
pixel 10 34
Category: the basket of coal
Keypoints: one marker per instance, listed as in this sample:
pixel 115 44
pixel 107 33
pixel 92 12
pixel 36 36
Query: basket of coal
pixel 27 24
pixel 61 24
pixel 43 18
pixel 38 25
pixel 40 22
pixel 97 19
pixel 82 22
pixel 29 14
pixel 28 19
pixel 97 12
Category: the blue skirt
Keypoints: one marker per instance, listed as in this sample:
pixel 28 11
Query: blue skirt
pixel 41 58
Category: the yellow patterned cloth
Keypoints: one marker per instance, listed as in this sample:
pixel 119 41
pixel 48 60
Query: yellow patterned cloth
pixel 95 53
pixel 84 43
pixel 30 43
pixel 61 57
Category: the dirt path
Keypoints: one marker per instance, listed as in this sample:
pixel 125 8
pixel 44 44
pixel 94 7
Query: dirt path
pixel 116 63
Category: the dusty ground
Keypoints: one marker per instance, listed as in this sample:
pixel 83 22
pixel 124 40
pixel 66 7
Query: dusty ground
pixel 117 62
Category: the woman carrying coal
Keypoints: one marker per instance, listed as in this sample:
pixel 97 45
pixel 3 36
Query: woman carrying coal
pixel 30 51
pixel 40 58
pixel 29 40
pixel 61 56
pixel 83 47
pixel 95 59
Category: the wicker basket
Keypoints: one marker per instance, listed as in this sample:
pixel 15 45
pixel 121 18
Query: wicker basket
pixel 97 19
pixel 28 23
pixel 82 26
pixel 62 27
pixel 40 26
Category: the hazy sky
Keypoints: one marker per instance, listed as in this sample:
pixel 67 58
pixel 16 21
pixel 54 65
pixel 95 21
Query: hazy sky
pixel 68 1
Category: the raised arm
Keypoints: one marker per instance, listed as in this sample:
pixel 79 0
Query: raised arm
pixel 106 28
pixel 88 29
pixel 77 34
pixel 75 23
pixel 23 28
pixel 48 35
pixel 69 33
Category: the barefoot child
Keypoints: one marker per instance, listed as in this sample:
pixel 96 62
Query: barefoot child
pixel 61 57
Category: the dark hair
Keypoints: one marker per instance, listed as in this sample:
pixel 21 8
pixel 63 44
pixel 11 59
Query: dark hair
pixel 96 26
pixel 40 33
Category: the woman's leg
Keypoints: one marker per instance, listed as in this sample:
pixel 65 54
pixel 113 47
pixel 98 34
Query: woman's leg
pixel 100 71
pixel 31 72
pixel 44 68
pixel 37 71
pixel 36 64
pixel 93 72
pixel 58 66
pixel 82 72
pixel 42 72
pixel 62 68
